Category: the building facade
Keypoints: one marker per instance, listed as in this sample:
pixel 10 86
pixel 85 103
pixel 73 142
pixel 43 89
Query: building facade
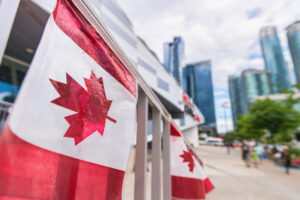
pixel 173 57
pixel 293 35
pixel 197 82
pixel 256 83
pixel 236 98
pixel 273 56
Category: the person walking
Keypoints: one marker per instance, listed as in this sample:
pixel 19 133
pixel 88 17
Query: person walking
pixel 287 160
pixel 228 146
pixel 245 150
pixel 259 150
pixel 255 157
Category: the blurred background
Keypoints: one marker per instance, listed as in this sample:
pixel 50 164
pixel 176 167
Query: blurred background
pixel 227 71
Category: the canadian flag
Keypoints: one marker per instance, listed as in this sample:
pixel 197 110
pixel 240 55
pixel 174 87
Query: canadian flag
pixel 186 99
pixel 197 118
pixel 188 178
pixel 72 127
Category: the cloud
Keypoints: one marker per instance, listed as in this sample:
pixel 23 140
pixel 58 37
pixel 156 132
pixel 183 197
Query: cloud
pixel 224 31
pixel 254 13
pixel 255 56
pixel 220 31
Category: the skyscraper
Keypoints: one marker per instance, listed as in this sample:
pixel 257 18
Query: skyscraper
pixel 273 56
pixel 197 82
pixel 256 83
pixel 293 35
pixel 236 98
pixel 173 57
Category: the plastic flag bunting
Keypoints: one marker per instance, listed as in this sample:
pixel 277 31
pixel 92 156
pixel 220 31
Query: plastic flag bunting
pixel 72 126
pixel 188 178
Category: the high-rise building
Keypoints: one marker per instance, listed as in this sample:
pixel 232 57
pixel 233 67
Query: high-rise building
pixel 273 56
pixel 197 83
pixel 173 57
pixel 256 83
pixel 236 98
pixel 293 35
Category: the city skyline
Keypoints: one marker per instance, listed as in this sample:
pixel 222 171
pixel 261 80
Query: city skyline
pixel 197 83
pixel 256 83
pixel 174 57
pixel 293 35
pixel 236 97
pixel 274 61
pixel 211 31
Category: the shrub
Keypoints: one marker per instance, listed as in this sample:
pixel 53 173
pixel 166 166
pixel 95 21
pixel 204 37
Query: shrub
pixel 295 151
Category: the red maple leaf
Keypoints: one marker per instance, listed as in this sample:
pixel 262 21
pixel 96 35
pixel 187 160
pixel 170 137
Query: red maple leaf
pixel 91 106
pixel 197 118
pixel 188 158
pixel 195 156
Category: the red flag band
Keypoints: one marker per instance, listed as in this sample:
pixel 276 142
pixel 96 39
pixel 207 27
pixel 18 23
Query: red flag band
pixel 188 178
pixel 76 106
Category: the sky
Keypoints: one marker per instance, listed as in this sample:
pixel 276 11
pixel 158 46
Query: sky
pixel 225 31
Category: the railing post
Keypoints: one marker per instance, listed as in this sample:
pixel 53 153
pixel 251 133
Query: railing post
pixel 166 161
pixel 141 147
pixel 8 11
pixel 156 155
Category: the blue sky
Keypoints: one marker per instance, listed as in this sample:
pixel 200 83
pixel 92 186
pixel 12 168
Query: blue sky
pixel 225 31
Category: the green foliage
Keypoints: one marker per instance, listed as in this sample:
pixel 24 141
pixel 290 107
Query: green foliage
pixel 297 86
pixel 283 138
pixel 275 120
pixel 294 151
pixel 230 137
pixel 290 101
pixel 246 128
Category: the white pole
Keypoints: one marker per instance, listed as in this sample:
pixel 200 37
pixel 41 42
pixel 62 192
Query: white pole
pixel 156 155
pixel 166 161
pixel 141 148
pixel 8 11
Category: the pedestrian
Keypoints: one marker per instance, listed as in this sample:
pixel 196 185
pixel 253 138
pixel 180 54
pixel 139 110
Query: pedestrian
pixel 255 157
pixel 245 150
pixel 287 160
pixel 278 157
pixel 252 143
pixel 259 150
pixel 228 146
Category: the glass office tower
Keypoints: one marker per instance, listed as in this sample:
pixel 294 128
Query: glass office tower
pixel 273 56
pixel 236 98
pixel 173 57
pixel 293 35
pixel 256 83
pixel 197 83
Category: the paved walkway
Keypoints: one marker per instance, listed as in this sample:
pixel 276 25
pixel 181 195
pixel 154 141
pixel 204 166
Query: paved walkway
pixel 233 181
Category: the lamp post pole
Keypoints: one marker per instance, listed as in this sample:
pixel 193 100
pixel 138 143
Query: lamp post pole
pixel 225 106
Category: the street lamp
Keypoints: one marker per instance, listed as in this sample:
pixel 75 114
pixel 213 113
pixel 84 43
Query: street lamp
pixel 225 105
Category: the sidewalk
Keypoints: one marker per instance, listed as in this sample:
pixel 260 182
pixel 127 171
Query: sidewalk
pixel 233 181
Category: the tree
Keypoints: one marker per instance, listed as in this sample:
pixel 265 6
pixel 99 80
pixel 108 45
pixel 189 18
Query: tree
pixel 246 128
pixel 278 119
pixel 230 136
